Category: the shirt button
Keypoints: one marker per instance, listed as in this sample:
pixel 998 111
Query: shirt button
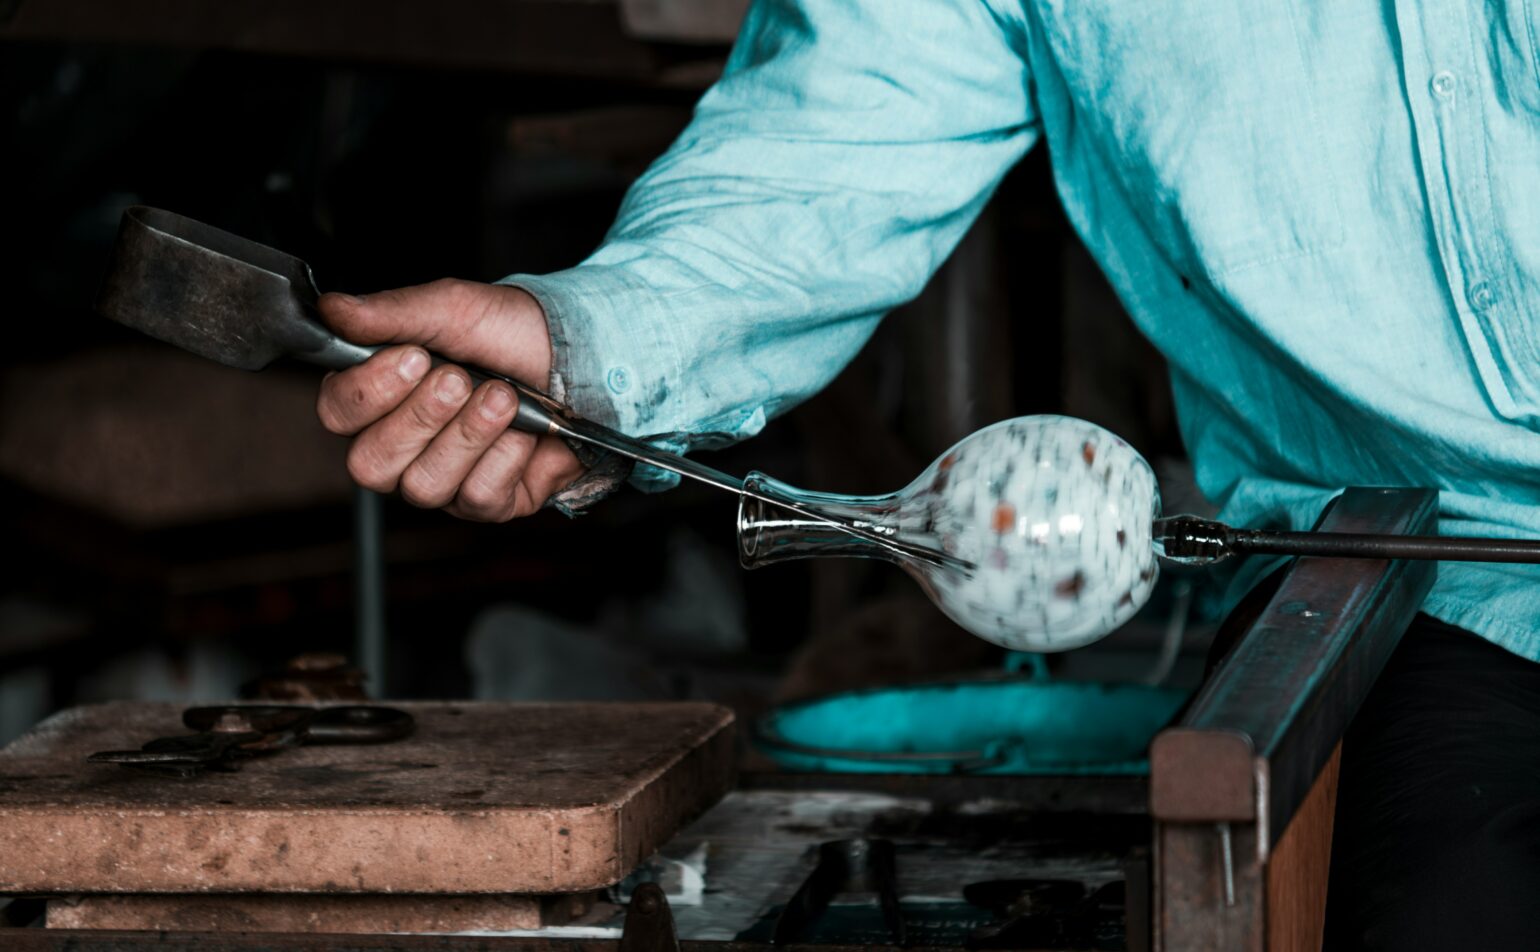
pixel 1482 297
pixel 1442 84
pixel 618 379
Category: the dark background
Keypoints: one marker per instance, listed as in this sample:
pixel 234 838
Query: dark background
pixel 173 529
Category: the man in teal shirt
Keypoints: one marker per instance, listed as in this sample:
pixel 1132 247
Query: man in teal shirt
pixel 1325 214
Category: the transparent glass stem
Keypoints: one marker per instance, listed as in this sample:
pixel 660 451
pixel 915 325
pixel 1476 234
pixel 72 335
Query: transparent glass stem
pixel 768 533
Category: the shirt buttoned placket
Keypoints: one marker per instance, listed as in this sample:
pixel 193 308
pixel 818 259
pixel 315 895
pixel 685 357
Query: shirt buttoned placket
pixel 1446 84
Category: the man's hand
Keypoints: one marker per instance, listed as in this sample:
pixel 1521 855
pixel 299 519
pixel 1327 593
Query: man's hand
pixel 424 431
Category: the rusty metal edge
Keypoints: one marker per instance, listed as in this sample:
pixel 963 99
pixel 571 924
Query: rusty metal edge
pixel 1316 650
pixel 1227 790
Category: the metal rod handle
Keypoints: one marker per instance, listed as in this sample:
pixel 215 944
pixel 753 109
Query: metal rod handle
pixel 1195 541
pixel 1345 545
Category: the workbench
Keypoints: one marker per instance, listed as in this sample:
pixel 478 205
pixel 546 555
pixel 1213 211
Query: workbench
pixel 1224 845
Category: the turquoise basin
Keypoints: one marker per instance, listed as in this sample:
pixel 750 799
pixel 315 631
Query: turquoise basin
pixel 986 727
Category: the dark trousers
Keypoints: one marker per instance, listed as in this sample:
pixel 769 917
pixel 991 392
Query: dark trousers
pixel 1437 839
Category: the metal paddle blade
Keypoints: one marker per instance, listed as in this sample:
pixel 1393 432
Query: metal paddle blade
pixel 209 292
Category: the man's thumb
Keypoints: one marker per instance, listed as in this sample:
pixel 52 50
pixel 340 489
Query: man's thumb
pixel 460 320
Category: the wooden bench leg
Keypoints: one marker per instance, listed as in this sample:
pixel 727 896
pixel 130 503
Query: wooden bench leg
pixel 1297 870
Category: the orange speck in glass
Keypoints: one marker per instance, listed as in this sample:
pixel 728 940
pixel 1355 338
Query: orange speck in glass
pixel 1005 518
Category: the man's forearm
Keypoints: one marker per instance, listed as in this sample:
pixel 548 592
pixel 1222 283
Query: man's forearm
pixel 842 156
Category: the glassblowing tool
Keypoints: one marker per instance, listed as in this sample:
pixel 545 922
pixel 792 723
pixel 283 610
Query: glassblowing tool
pixel 1061 521
pixel 228 734
pixel 1039 533
pixel 245 305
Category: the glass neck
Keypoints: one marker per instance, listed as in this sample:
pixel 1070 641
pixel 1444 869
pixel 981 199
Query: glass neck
pixel 770 533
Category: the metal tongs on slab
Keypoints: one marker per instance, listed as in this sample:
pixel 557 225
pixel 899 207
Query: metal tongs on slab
pixel 229 734
pixel 245 305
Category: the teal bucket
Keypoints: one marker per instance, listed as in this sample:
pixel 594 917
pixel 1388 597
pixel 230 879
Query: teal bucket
pixel 1011 727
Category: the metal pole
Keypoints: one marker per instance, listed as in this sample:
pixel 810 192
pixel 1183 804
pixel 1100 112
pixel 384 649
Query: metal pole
pixel 1369 546
pixel 369 589
pixel 1195 541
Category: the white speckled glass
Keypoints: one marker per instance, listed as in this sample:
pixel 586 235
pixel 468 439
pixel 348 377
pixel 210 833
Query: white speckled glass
pixel 1053 513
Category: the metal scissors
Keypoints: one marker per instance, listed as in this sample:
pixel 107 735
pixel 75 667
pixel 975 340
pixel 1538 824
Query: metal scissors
pixel 228 734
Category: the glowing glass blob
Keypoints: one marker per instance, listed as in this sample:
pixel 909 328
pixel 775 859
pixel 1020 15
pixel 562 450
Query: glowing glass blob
pixel 1048 519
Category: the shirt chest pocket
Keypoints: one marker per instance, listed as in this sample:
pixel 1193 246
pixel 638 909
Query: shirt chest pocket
pixel 1204 113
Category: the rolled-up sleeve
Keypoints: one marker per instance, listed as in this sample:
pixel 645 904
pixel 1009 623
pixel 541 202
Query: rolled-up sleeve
pixel 841 157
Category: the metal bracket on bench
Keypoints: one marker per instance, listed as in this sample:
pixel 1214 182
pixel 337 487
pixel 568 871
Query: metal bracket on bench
pixel 649 925
pixel 1228 779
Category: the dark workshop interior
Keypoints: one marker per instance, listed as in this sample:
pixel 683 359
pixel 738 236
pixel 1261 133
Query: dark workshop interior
pixel 176 548
pixel 183 534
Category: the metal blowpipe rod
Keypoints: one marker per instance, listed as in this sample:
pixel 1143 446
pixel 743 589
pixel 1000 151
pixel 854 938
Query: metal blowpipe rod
pixel 245 305
pixel 1195 541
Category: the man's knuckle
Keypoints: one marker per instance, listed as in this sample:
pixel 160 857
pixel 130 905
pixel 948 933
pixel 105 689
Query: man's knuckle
pixel 331 420
pixel 456 292
pixel 368 471
pixel 475 430
pixel 426 415
pixel 382 389
pixel 359 468
pixel 482 495
pixel 419 488
pixel 524 504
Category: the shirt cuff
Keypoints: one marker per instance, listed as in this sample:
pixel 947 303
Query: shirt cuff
pixel 613 355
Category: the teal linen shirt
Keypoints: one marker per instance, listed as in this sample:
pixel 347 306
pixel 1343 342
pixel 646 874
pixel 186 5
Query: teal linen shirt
pixel 1326 213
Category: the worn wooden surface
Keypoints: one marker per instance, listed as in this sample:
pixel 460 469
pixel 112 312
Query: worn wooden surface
pixel 1297 871
pixel 483 798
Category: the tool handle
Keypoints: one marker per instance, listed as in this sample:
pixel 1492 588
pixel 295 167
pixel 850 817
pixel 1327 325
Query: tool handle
pixel 359 724
pixel 1195 541
pixel 534 415
pixel 1344 545
pixel 530 417
pixel 537 413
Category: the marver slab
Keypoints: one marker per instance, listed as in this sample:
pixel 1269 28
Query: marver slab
pixel 485 797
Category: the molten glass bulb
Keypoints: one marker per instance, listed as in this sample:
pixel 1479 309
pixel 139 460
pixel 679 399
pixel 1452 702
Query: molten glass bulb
pixel 1045 520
